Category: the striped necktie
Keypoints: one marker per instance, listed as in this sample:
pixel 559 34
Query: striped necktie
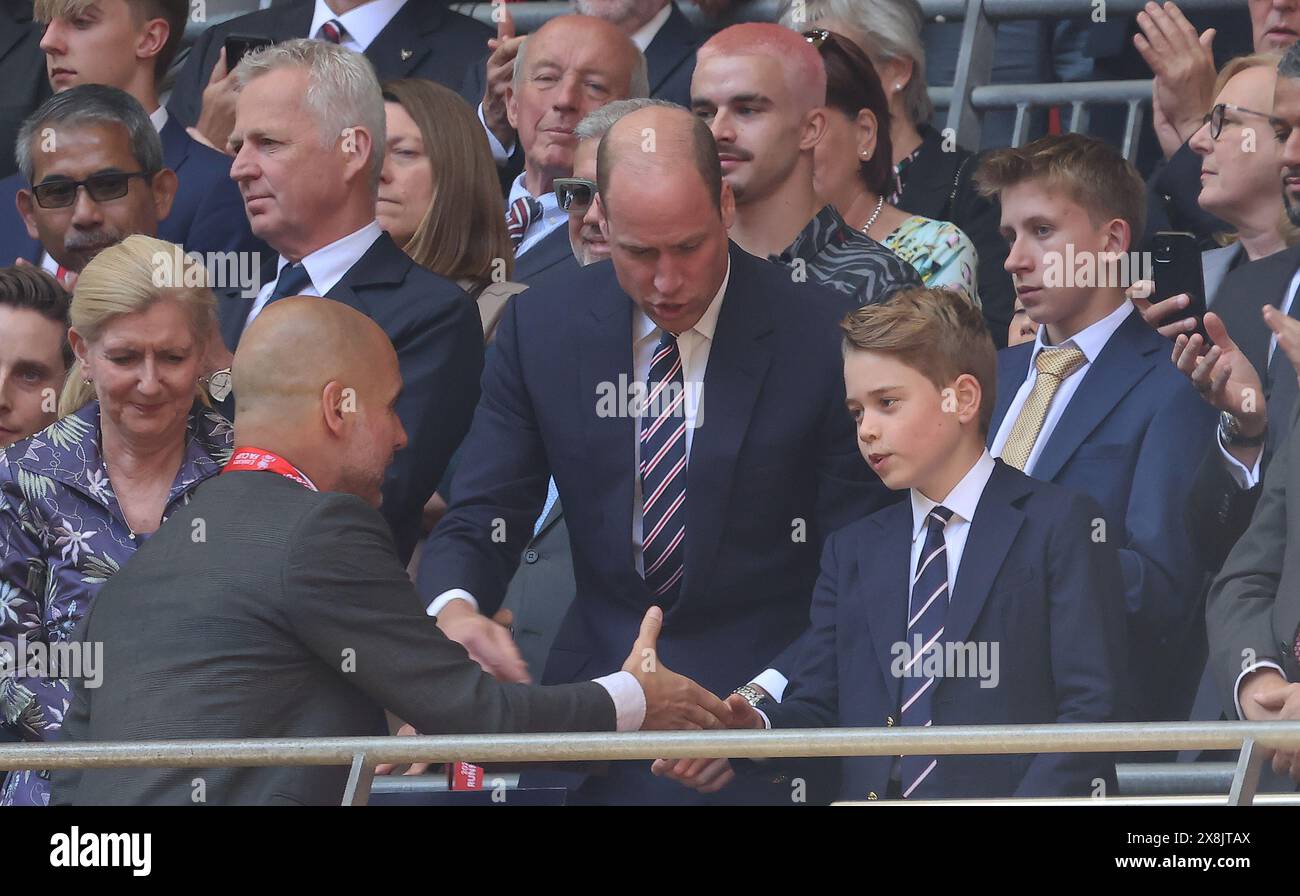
pixel 663 471
pixel 1054 365
pixel 523 212
pixel 926 613
pixel 332 31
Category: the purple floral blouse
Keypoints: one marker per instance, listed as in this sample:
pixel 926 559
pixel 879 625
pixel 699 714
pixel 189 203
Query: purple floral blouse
pixel 62 534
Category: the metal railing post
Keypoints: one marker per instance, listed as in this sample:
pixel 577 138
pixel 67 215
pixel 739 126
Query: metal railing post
pixel 974 68
pixel 360 778
pixel 1245 781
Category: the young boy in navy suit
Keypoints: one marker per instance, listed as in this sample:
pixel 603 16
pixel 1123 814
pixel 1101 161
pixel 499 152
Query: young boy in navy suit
pixel 1094 402
pixel 985 599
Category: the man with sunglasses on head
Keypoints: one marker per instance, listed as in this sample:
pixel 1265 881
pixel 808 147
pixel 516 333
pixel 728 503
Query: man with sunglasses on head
pixel 95 165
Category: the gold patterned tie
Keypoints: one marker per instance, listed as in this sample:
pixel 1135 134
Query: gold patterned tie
pixel 1054 365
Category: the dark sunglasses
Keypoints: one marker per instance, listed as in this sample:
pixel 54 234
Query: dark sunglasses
pixel 1216 116
pixel 101 187
pixel 574 194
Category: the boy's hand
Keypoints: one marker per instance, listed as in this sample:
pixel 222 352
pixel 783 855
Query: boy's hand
pixel 710 775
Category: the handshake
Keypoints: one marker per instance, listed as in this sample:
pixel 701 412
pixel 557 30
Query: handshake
pixel 674 702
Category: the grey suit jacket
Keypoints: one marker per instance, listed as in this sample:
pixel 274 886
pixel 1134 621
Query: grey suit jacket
pixel 542 590
pixel 264 609
pixel 1254 605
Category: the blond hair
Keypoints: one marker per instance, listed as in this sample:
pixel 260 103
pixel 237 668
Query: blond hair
pixel 935 331
pixel 130 278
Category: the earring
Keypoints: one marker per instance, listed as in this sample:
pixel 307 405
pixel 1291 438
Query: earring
pixel 898 86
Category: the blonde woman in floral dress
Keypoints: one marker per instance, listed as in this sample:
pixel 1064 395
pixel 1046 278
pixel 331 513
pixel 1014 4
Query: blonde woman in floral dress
pixel 77 499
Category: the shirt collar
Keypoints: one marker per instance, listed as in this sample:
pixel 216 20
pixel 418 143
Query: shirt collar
pixel 517 189
pixel 362 24
pixel 327 265
pixel 643 327
pixel 159 118
pixel 962 500
pixel 646 33
pixel 1091 339
pixel 825 226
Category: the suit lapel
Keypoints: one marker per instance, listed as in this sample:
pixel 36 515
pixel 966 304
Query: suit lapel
pixel 1124 360
pixel 1244 292
pixel 674 42
pixel 992 532
pixel 605 357
pixel 1013 367
pixel 293 20
pixel 234 307
pixel 553 249
pixel 399 49
pixel 883 561
pixel 383 264
pixel 175 144
pixel 738 361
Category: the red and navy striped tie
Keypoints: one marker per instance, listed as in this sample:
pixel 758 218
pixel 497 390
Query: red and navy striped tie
pixel 663 471
pixel 332 31
pixel 521 215
pixel 926 613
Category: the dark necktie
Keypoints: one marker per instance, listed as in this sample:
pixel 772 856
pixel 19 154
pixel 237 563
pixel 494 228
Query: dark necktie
pixel 523 212
pixel 926 613
pixel 332 31
pixel 663 471
pixel 293 280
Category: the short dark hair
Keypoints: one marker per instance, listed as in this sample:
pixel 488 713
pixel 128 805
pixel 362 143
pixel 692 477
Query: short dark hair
pixel 703 152
pixel 852 85
pixel 28 287
pixel 934 330
pixel 88 104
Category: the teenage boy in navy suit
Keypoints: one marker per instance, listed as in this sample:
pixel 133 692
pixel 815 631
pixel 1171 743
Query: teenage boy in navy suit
pixel 1094 403
pixel 986 599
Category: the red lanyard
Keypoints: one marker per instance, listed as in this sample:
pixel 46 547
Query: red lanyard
pixel 257 460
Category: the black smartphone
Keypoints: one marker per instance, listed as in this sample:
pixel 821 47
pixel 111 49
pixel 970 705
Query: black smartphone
pixel 1176 269
pixel 240 45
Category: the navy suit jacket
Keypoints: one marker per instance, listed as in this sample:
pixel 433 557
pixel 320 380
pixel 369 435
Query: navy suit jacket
pixel 435 329
pixel 773 467
pixel 424 40
pixel 550 251
pixel 22 71
pixel 207 214
pixel 1130 439
pixel 1032 581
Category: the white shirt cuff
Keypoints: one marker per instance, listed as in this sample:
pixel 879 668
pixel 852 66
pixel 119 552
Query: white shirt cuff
pixel 500 154
pixel 767 723
pixel 1236 689
pixel 628 697
pixel 1246 478
pixel 773 682
pixel 447 597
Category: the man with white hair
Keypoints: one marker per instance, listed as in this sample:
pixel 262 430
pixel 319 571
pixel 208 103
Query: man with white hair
pixel 308 144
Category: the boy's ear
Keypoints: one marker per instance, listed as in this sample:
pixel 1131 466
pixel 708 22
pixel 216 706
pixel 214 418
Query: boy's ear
pixel 1119 238
pixel 967 395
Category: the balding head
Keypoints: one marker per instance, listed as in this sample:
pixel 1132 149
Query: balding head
pixel 315 381
pixel 659 139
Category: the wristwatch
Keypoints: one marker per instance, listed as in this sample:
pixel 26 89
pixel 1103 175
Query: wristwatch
pixel 753 696
pixel 219 384
pixel 1230 432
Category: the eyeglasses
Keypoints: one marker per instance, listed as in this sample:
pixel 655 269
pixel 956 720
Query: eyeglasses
pixel 1216 116
pixel 816 37
pixel 101 187
pixel 574 194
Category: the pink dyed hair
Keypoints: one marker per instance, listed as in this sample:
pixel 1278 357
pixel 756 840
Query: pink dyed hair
pixel 805 76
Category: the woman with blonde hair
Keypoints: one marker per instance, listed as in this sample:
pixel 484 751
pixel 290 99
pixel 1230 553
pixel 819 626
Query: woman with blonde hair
pixel 439 194
pixel 134 439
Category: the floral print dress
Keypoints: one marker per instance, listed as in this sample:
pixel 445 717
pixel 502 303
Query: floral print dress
pixel 940 252
pixel 62 535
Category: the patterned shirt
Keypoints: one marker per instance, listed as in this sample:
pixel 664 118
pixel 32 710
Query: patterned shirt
pixel 62 535
pixel 835 255
pixel 940 252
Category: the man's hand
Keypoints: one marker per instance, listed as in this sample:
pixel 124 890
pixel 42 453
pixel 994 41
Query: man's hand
pixel 1287 330
pixel 1183 65
pixel 217 117
pixel 1267 696
pixel 672 701
pixel 1161 316
pixel 710 775
pixel 500 72
pixel 1227 381
pixel 417 768
pixel 487 641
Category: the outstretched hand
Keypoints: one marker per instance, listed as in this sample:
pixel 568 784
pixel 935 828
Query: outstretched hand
pixel 672 701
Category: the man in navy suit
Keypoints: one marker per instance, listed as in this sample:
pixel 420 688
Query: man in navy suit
pixel 309 185
pixel 983 600
pixel 729 371
pixel 22 71
pixel 128 44
pixel 411 39
pixel 1094 403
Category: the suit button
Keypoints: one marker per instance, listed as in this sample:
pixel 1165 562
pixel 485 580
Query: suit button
pixel 889 721
pixel 530 556
pixel 872 796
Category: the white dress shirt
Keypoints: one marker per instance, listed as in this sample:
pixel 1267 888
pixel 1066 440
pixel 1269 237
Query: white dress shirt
pixel 642 38
pixel 552 215
pixel 361 25
pixel 962 501
pixel 326 266
pixel 1249 478
pixel 1090 340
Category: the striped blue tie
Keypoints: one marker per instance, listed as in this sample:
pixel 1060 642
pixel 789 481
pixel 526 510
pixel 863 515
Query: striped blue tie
pixel 926 612
pixel 663 471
